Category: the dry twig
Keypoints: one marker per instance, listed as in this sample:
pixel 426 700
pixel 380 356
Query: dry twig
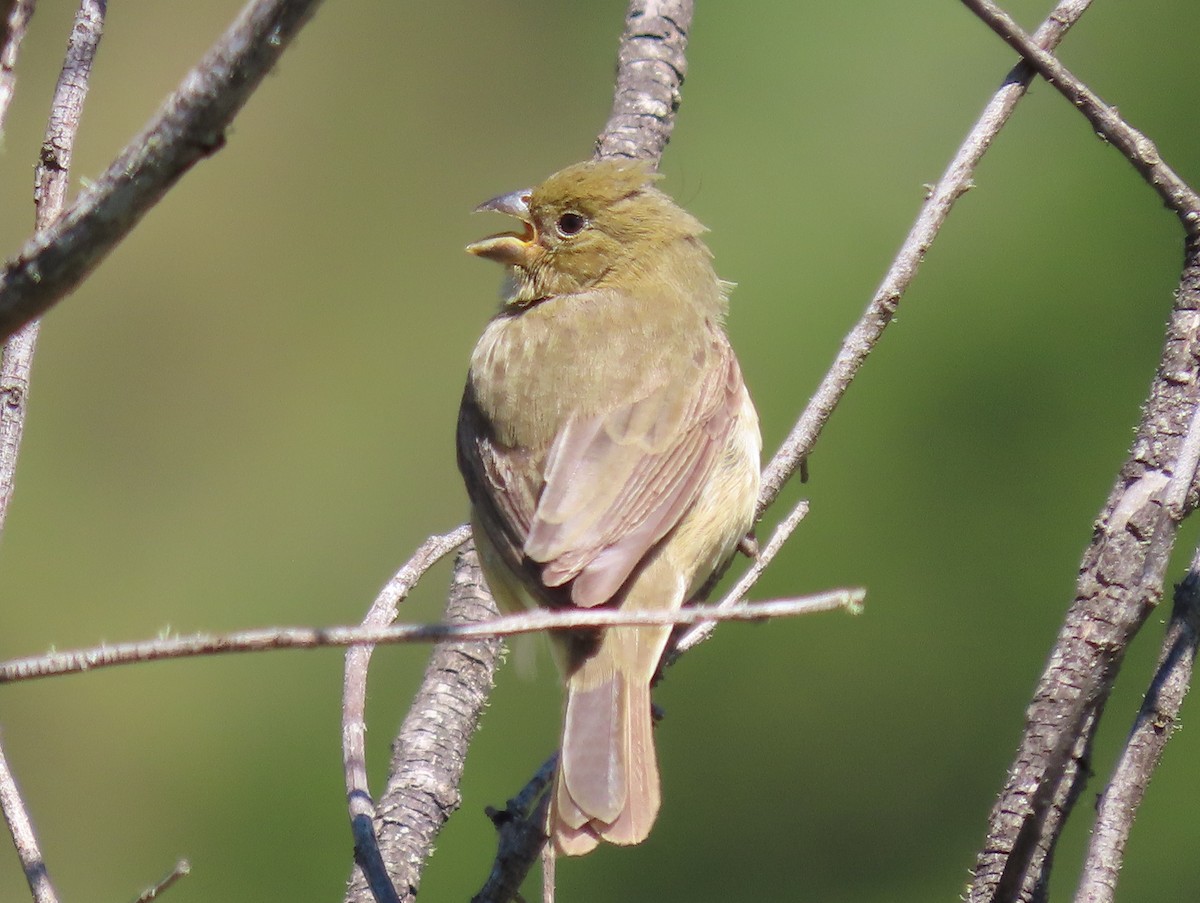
pixel 954 183
pixel 50 191
pixel 182 869
pixel 14 22
pixel 21 828
pixel 189 127
pixel 77 661
pixel 1121 577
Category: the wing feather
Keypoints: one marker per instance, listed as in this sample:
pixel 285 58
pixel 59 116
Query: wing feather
pixel 583 513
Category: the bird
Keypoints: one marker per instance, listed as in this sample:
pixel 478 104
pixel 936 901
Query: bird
pixel 610 451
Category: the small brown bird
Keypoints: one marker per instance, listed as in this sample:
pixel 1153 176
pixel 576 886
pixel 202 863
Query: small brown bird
pixel 611 454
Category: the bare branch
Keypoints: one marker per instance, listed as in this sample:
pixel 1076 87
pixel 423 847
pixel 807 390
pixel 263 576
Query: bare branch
pixel 1136 147
pixel 189 127
pixel 14 22
pixel 19 825
pixel 354 703
pixel 651 66
pixel 429 753
pixel 521 829
pixel 1123 569
pixel 54 664
pixel 182 869
pixel 1120 582
pixel 737 593
pixel 1153 727
pixel 879 313
pixel 49 194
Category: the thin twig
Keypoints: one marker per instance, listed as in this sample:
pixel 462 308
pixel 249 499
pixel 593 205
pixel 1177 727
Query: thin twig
pixel 737 594
pixel 54 664
pixel 1136 147
pixel 182 869
pixel 49 193
pixel 190 126
pixel 521 829
pixel 21 828
pixel 14 23
pixel 879 313
pixel 428 754
pixel 1155 723
pixel 354 703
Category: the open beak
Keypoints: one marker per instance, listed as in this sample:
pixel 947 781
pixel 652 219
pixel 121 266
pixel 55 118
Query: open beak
pixel 509 248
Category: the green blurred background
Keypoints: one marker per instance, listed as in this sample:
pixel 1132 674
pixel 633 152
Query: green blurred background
pixel 245 418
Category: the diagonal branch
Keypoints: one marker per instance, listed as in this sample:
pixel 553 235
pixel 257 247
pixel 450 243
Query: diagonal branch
pixel 1120 582
pixel 1139 150
pixel 14 22
pixel 1155 723
pixel 189 127
pixel 16 354
pixel 49 195
pixel 954 183
pixel 1121 577
pixel 21 828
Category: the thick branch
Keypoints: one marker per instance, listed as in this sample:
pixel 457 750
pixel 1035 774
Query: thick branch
pixel 354 704
pixel 1120 582
pixel 1153 727
pixel 1123 569
pixel 189 127
pixel 429 752
pixel 651 66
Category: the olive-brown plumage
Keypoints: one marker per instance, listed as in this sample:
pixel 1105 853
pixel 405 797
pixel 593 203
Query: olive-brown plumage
pixel 611 454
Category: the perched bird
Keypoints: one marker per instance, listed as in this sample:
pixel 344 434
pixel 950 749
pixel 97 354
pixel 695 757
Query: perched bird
pixel 611 454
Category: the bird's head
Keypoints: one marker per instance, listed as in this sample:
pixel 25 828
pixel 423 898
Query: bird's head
pixel 589 225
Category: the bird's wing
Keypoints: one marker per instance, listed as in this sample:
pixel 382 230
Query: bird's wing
pixel 579 517
pixel 617 483
pixel 502 481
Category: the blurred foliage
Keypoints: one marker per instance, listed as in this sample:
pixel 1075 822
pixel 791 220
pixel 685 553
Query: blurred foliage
pixel 245 418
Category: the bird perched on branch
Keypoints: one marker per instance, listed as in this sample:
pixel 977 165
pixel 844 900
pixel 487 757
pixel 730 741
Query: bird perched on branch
pixel 611 455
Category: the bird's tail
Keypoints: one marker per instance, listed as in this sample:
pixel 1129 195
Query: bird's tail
pixel 607 786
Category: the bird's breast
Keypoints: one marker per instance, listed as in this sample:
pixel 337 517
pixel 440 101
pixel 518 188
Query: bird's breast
pixel 570 356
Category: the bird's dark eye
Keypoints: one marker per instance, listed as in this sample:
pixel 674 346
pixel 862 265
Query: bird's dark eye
pixel 570 223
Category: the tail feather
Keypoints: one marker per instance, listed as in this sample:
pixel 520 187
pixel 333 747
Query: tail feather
pixel 607 787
